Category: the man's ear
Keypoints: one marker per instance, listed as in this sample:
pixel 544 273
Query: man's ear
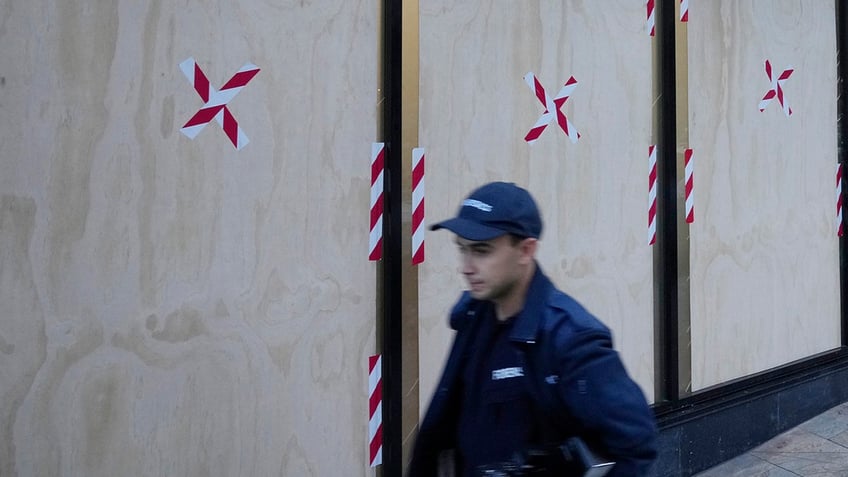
pixel 528 248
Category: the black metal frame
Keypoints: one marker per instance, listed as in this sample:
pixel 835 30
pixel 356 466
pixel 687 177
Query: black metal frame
pixel 665 258
pixel 842 141
pixel 392 277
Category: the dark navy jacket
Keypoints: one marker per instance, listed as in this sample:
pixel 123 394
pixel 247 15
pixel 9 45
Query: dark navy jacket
pixel 576 379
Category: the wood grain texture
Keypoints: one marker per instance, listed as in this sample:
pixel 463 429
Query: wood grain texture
pixel 172 306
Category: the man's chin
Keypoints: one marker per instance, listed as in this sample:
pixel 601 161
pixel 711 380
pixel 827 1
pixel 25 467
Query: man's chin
pixel 478 294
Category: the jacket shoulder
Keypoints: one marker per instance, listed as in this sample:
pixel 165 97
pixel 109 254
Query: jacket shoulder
pixel 564 312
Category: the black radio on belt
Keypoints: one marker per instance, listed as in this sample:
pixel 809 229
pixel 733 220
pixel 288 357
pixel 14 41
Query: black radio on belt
pixel 572 459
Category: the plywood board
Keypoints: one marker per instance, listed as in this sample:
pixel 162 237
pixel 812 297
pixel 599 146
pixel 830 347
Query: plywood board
pixel 173 306
pixel 764 249
pixel 475 112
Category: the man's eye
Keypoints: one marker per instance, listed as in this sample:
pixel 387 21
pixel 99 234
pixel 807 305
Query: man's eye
pixel 474 251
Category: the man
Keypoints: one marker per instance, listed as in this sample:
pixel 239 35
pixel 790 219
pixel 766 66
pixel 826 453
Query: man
pixel 530 369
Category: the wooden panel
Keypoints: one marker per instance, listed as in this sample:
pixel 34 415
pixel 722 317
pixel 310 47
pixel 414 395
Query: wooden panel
pixel 764 256
pixel 475 112
pixel 173 306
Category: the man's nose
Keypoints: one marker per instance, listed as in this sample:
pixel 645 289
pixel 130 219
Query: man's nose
pixel 465 265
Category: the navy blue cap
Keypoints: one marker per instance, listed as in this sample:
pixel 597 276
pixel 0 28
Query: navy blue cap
pixel 495 209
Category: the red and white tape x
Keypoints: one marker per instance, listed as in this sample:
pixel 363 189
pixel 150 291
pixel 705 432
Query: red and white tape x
pixel 552 108
pixel 375 410
pixel 684 11
pixel 215 106
pixel 776 90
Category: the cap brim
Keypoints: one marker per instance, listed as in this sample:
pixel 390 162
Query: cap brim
pixel 469 230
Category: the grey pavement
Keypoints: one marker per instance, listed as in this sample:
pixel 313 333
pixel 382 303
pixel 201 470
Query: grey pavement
pixel 816 448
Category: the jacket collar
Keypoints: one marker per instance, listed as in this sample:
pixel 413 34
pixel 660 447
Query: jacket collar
pixel 526 328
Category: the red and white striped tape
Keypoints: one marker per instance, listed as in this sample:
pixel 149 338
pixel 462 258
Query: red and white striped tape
pixel 418 205
pixel 215 106
pixel 689 168
pixel 839 200
pixel 375 410
pixel 652 194
pixel 651 21
pixel 776 90
pixel 375 239
pixel 651 8
pixel 552 108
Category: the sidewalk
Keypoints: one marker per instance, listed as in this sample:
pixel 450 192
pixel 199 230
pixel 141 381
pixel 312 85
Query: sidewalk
pixel 816 448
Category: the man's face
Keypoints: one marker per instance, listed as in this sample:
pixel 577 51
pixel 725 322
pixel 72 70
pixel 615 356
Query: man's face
pixel 493 267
